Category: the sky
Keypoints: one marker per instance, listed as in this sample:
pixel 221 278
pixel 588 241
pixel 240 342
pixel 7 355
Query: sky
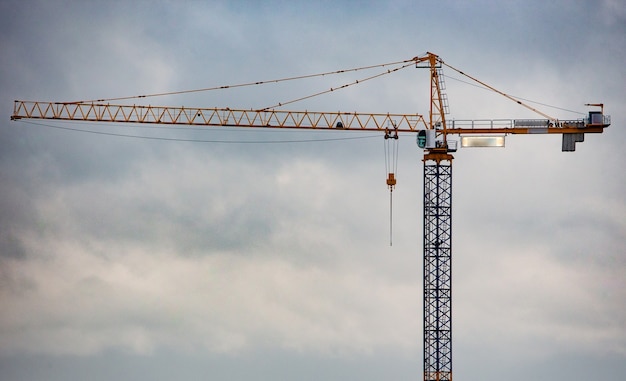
pixel 156 253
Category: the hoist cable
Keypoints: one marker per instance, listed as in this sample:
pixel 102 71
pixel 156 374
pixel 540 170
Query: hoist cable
pixel 242 84
pixel 386 147
pixel 389 71
pixel 390 218
pixel 391 149
pixel 396 146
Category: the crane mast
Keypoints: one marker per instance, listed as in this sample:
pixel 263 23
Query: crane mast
pixel 437 246
pixel 437 237
pixel 432 135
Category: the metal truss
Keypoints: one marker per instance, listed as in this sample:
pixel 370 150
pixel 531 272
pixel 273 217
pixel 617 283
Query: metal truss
pixel 437 268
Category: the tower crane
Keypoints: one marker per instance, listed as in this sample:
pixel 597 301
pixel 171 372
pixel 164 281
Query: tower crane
pixel 433 135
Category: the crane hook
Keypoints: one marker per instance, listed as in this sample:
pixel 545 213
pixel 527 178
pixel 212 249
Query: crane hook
pixel 391 157
pixel 391 181
pixel 391 162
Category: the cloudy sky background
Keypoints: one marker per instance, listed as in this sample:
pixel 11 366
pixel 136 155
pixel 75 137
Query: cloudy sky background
pixel 148 259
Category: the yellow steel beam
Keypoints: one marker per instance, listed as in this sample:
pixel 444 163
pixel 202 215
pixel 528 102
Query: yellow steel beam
pixel 99 112
pixel 94 112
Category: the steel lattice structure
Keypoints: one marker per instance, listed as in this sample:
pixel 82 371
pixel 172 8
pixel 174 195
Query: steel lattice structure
pixel 437 267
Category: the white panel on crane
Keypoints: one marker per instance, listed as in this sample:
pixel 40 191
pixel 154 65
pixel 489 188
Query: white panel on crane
pixel 482 141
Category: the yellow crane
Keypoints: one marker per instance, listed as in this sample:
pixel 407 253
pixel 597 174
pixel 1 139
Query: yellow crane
pixel 432 131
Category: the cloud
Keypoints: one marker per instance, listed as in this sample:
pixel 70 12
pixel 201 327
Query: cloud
pixel 249 254
pixel 81 303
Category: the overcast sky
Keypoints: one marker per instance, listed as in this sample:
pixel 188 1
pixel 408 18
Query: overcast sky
pixel 135 258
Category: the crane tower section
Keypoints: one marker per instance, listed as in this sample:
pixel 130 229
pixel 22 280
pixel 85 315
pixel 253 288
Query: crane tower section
pixel 437 267
pixel 437 234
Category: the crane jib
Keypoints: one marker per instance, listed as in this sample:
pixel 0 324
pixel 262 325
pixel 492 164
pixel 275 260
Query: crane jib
pixel 216 116
pixel 95 112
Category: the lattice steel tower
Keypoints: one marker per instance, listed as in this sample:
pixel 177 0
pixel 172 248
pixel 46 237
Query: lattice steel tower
pixel 437 267
pixel 437 234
